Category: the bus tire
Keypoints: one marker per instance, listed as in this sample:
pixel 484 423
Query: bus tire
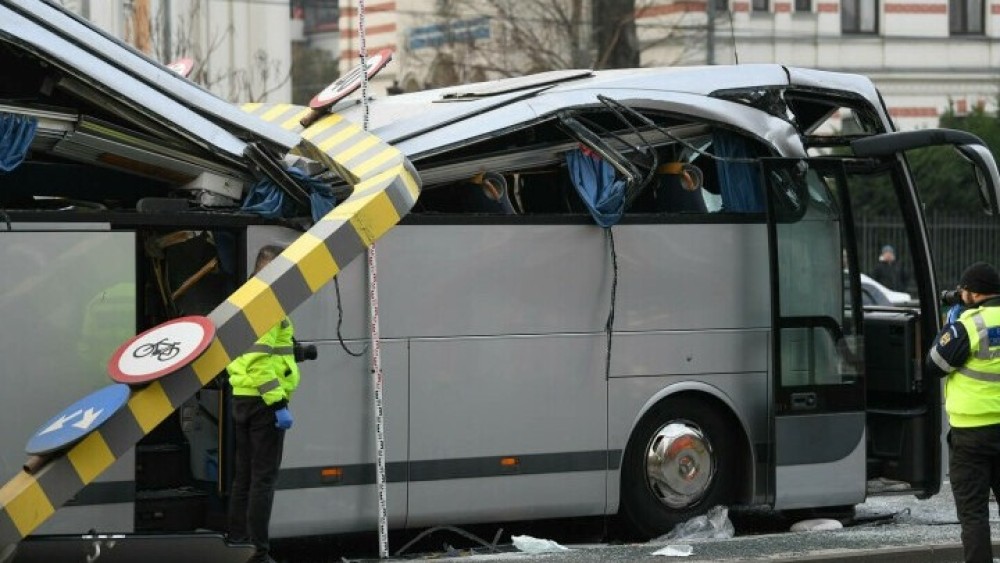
pixel 678 464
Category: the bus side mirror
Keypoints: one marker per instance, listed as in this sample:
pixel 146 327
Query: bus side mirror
pixel 987 178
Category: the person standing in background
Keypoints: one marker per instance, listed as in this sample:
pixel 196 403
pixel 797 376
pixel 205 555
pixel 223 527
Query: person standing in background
pixel 887 271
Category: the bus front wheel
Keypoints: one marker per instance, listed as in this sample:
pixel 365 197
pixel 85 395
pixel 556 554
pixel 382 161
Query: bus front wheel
pixel 677 466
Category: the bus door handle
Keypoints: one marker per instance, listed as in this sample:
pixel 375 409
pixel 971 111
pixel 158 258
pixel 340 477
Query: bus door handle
pixel 803 401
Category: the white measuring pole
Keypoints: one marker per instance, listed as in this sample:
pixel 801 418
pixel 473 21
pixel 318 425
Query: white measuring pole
pixel 376 356
pixel 380 481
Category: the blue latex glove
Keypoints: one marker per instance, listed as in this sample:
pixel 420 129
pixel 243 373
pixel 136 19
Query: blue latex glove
pixel 954 313
pixel 283 418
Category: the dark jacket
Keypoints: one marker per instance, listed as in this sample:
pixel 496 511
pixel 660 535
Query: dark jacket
pixel 890 275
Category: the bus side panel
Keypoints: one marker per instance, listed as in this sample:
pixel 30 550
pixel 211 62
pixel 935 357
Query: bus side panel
pixel 540 399
pixel 459 280
pixel 837 479
pixel 455 280
pixel 507 359
pixel 334 427
pixel 68 301
pixel 691 353
pixel 507 499
pixel 692 276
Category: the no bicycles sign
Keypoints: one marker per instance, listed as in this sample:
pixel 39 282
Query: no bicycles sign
pixel 161 350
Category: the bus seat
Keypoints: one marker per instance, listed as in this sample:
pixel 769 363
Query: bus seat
pixel 671 197
pixel 488 196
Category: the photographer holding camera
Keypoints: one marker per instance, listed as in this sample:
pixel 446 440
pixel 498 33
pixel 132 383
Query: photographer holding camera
pixel 967 352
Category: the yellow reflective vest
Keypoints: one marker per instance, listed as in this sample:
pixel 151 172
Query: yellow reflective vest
pixel 972 392
pixel 268 370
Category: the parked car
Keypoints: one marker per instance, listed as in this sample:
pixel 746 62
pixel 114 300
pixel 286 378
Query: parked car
pixel 874 293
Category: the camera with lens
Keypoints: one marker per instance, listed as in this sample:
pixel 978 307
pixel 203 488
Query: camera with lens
pixel 951 297
pixel 303 352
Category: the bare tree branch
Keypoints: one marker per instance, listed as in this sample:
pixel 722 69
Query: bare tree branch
pixel 526 36
pixel 252 83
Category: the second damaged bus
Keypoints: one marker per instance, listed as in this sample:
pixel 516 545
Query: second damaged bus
pixel 710 346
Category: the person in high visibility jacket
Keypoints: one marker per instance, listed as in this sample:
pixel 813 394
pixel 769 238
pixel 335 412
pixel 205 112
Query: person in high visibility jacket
pixel 263 381
pixel 967 352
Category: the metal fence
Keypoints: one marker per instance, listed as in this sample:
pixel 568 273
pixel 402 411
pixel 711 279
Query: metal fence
pixel 956 242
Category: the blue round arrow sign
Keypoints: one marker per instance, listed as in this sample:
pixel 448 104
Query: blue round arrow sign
pixel 78 419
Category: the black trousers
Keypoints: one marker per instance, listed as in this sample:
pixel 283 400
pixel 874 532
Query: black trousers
pixel 257 457
pixel 975 470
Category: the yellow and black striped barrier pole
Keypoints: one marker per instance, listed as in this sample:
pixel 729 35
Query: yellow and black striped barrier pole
pixel 385 188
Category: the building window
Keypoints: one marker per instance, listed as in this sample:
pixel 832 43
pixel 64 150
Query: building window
pixel 966 17
pixel 761 5
pixel 859 16
pixel 721 5
pixel 319 15
pixel 803 5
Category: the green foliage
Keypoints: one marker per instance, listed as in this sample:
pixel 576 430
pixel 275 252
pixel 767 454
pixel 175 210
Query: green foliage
pixel 873 196
pixel 944 179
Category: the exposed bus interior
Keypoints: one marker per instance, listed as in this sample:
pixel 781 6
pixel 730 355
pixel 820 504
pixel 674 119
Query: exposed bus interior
pixel 94 151
pixel 524 173
pixel 180 465
pixel 78 162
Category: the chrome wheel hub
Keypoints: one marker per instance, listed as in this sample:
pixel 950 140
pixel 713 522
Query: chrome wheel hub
pixel 679 464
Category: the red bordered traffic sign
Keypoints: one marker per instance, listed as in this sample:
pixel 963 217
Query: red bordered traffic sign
pixel 350 81
pixel 182 67
pixel 161 350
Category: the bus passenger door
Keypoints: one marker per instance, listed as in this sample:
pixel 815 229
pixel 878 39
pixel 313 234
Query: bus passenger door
pixel 819 418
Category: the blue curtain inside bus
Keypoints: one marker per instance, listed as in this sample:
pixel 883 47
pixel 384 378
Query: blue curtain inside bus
pixel 594 179
pixel 16 134
pixel 739 181
pixel 268 200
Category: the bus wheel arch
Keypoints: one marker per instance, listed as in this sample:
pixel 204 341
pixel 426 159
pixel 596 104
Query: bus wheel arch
pixel 683 457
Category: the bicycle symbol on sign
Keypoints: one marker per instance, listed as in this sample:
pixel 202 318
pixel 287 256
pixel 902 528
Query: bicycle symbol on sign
pixel 161 350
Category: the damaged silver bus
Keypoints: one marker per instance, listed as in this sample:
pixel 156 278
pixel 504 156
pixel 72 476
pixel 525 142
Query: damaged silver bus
pixel 709 346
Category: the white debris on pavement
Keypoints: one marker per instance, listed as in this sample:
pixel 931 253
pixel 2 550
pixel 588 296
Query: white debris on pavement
pixel 674 551
pixel 714 525
pixel 816 525
pixel 532 545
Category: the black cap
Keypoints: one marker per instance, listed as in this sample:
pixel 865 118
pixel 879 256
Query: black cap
pixel 980 278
